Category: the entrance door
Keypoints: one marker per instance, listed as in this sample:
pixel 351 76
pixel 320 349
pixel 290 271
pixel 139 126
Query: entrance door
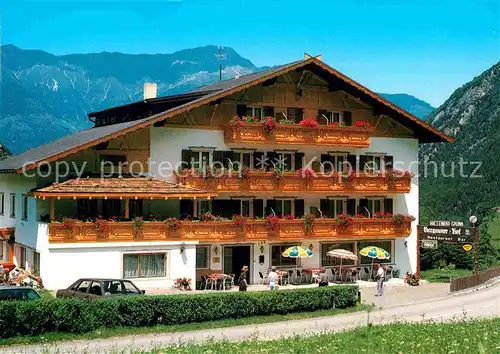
pixel 235 257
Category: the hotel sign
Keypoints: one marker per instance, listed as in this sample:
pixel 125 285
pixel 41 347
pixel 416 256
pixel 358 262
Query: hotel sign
pixel 447 232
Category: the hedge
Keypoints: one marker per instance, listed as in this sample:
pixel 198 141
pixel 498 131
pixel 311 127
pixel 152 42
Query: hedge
pixel 81 316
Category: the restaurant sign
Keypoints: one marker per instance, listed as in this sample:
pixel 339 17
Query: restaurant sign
pixel 447 232
pixel 429 244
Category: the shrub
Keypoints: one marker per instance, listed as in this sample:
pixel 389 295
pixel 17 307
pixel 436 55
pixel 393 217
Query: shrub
pixel 81 316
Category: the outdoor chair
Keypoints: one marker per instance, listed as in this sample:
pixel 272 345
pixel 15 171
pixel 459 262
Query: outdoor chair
pixel 368 273
pixel 388 273
pixel 229 282
pixel 290 276
pixel 300 277
pixel 203 282
pixel 358 273
pixel 330 273
pixel 262 278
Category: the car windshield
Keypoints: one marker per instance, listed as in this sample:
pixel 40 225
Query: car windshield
pixel 18 294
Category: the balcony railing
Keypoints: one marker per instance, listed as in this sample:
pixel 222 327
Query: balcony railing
pixel 228 231
pixel 296 134
pixel 260 181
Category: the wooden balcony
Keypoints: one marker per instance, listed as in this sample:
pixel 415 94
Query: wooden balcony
pixel 295 134
pixel 258 181
pixel 227 231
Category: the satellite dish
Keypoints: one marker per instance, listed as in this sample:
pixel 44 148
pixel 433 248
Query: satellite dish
pixel 473 219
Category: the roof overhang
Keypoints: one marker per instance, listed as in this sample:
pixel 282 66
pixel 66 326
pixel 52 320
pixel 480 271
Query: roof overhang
pixel 119 188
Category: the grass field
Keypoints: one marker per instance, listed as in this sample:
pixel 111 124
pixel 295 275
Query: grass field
pixel 126 331
pixel 443 275
pixel 460 337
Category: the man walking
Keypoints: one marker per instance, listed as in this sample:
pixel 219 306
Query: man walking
pixel 380 280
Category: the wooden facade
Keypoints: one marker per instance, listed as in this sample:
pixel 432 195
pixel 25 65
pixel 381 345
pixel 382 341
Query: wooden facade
pixel 227 231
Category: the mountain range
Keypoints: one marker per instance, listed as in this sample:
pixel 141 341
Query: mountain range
pixel 45 96
pixel 472 116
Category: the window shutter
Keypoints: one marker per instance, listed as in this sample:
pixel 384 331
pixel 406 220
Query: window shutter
pixel 351 206
pixel 351 159
pixel 388 205
pixel 363 203
pixel 299 115
pixel 258 157
pixel 347 118
pixel 324 205
pixel 329 159
pixel 321 120
pixel 299 160
pixel 241 110
pixel 271 205
pixel 186 208
pixel 186 158
pixel 235 208
pixel 363 159
pixel 218 156
pixel 299 208
pixel 258 208
pixel 269 111
pixel 389 162
pixel 271 158
pixel 216 206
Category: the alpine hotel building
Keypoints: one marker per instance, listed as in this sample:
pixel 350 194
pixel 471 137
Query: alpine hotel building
pixel 245 192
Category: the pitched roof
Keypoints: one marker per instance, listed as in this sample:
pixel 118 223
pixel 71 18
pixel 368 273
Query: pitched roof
pixel 91 137
pixel 131 187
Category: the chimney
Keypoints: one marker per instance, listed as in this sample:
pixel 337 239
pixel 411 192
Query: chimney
pixel 150 90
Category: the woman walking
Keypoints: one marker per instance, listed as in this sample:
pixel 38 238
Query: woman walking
pixel 242 280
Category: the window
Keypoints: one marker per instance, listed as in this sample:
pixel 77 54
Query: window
pixel 2 204
pixel 144 265
pixel 336 206
pixel 25 207
pixel 245 208
pixel 285 161
pixel 12 205
pixel 328 261
pixel 1 250
pixel 204 206
pixel 372 163
pixel 112 287
pixel 335 161
pixel 202 254
pixel 83 286
pixel 386 245
pixel 283 207
pixel 201 158
pixel 243 158
pixel 295 114
pixel 95 288
pixel 257 112
pixel 334 116
pixel 36 263
pixel 278 260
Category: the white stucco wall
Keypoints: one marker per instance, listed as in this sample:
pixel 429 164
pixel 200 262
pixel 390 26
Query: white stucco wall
pixel 62 264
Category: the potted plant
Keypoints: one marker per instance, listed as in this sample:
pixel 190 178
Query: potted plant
pixel 183 284
pixel 239 220
pixel 309 222
pixel 348 177
pixel 236 122
pixel 243 173
pixel 363 124
pixel 305 172
pixel 308 123
pixel 101 224
pixel 412 279
pixel 138 225
pixel 173 224
pixel 277 172
pixel 207 217
pixel 69 223
pixel 272 223
pixel 269 125
pixel 399 219
pixel 344 220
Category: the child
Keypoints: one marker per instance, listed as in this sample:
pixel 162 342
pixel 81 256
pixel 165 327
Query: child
pixel 272 278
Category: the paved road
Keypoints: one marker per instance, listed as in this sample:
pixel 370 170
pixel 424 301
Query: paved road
pixel 484 303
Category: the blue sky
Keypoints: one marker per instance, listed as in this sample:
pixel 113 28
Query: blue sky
pixel 425 48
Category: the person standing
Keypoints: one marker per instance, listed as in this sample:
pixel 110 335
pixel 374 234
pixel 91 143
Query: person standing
pixel 380 280
pixel 271 277
pixel 242 280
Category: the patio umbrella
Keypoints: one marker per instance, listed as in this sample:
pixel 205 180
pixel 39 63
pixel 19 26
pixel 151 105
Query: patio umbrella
pixel 374 252
pixel 342 254
pixel 297 252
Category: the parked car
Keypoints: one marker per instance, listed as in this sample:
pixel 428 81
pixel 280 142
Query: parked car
pixel 90 288
pixel 18 293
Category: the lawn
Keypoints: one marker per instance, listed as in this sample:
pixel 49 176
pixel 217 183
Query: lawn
pixel 460 337
pixel 443 275
pixel 127 331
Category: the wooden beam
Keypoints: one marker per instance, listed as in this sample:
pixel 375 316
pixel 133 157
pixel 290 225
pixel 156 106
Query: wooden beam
pixel 213 114
pixel 379 120
pixel 127 208
pixel 52 209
